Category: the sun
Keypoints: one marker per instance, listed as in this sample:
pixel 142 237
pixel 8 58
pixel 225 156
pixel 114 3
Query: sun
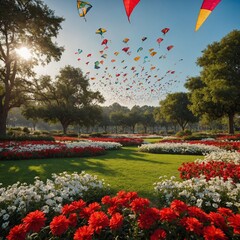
pixel 24 53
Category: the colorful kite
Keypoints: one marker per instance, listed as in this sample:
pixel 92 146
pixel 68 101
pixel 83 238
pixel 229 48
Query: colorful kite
pixel 137 58
pixel 125 49
pixel 139 49
pixel 206 8
pixel 165 30
pixel 83 8
pixel 101 31
pixel 129 6
pixel 144 38
pixel 104 42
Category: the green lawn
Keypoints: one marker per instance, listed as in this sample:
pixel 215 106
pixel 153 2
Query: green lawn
pixel 123 169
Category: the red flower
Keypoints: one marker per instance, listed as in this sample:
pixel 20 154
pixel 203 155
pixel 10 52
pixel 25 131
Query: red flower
pixel 106 200
pixel 87 211
pixel 234 222
pixel 178 206
pixel 74 206
pixel 213 233
pixel 73 219
pixel 17 233
pixel 98 221
pixel 83 233
pixel 116 221
pixel 148 218
pixel 139 204
pixel 218 220
pixel 226 212
pixel 34 221
pixel 192 225
pixel 158 234
pixel 198 213
pixel 59 225
pixel 167 214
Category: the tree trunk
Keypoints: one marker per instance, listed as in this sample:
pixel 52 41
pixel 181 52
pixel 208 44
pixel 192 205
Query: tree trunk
pixel 64 126
pixel 145 129
pixel 3 123
pixel 230 123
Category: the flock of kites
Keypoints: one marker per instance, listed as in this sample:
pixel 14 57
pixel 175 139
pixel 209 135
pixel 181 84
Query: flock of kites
pixel 130 73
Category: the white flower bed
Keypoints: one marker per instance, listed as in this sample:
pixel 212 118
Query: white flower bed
pixel 178 148
pixel 221 156
pixel 39 146
pixel 105 145
pixel 20 198
pixel 208 195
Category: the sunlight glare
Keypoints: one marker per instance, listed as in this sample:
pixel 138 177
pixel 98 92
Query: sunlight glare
pixel 24 53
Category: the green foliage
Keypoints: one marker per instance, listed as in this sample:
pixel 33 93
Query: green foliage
pixel 217 89
pixel 186 132
pixel 175 107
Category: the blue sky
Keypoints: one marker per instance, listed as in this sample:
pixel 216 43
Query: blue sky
pixel 147 19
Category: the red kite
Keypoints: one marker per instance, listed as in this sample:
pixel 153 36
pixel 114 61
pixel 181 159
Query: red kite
pixel 206 8
pixel 129 6
pixel 165 30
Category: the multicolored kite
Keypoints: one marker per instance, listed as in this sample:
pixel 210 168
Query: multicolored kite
pixel 165 30
pixel 83 8
pixel 206 8
pixel 129 6
pixel 101 31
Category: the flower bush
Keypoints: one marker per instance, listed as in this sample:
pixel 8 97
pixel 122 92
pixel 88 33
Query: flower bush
pixel 210 170
pixel 127 216
pixel 177 148
pixel 206 194
pixel 122 140
pixel 46 149
pixel 19 199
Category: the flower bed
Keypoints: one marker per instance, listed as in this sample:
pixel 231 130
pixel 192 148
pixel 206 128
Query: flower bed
pixel 122 140
pixel 42 149
pixel 19 199
pixel 210 170
pixel 126 216
pixel 207 194
pixel 178 148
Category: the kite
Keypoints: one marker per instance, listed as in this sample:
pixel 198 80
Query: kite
pixel 89 55
pixel 79 51
pixel 125 49
pixel 125 40
pixel 104 55
pixel 153 53
pixel 83 8
pixel 101 31
pixel 104 42
pixel 96 65
pixel 165 30
pixel 116 53
pixel 129 6
pixel 170 47
pixel 159 40
pixel 137 58
pixel 144 38
pixel 139 49
pixel 206 8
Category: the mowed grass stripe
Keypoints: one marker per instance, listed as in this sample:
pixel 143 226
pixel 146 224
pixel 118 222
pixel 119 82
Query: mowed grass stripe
pixel 125 169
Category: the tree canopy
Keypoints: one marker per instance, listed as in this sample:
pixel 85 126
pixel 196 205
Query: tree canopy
pixel 218 88
pixel 30 24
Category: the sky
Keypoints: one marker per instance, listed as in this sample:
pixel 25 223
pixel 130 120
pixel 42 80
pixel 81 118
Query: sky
pixel 146 81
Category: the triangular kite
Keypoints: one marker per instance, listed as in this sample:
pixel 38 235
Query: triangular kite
pixel 129 6
pixel 206 8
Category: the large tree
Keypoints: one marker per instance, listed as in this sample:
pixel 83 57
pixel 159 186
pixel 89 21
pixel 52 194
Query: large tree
pixel 219 94
pixel 175 108
pixel 64 99
pixel 29 24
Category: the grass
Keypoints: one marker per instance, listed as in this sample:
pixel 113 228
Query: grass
pixel 125 169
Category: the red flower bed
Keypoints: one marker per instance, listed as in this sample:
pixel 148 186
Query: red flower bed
pixel 122 140
pixel 33 149
pixel 127 216
pixel 66 139
pixel 210 170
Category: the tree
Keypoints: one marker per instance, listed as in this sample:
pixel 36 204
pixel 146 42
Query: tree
pixel 28 24
pixel 66 98
pixel 175 107
pixel 220 76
